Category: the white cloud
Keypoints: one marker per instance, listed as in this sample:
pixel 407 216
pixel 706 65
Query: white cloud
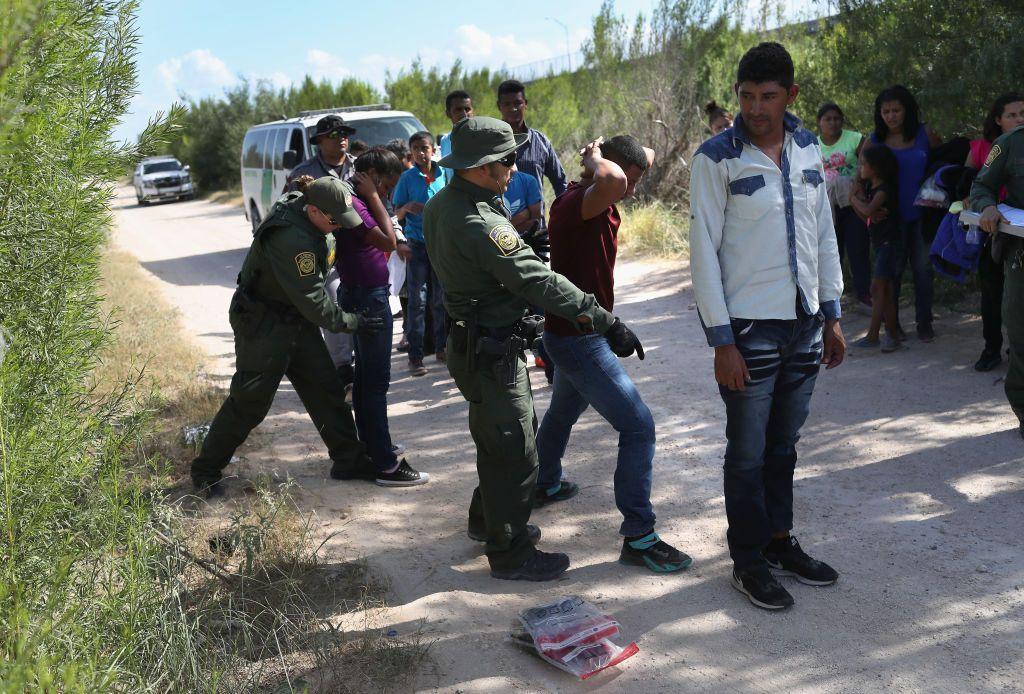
pixel 479 46
pixel 323 65
pixel 197 72
pixel 375 66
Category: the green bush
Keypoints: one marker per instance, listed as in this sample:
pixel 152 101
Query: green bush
pixel 82 604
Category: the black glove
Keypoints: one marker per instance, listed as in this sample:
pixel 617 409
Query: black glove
pixel 369 325
pixel 622 341
pixel 536 237
pixel 363 324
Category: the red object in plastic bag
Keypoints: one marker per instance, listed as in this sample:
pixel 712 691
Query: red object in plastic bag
pixel 575 636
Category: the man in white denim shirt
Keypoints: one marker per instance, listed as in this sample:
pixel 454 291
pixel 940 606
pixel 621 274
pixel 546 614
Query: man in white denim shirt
pixel 767 280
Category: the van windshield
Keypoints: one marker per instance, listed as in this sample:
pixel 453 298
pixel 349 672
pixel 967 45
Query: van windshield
pixel 380 131
pixel 161 166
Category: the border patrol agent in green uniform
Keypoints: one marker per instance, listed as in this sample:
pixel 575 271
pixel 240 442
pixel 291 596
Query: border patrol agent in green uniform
pixel 276 314
pixel 1005 167
pixel 490 276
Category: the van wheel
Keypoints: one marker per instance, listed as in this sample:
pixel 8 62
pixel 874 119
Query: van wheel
pixel 254 217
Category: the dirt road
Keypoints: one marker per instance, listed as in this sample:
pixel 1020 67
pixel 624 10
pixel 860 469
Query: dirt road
pixel 911 483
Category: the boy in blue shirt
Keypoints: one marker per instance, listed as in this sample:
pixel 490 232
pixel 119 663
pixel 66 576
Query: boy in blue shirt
pixel 523 200
pixel 415 187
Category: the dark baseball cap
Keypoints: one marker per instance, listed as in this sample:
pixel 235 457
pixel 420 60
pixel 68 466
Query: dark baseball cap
pixel 334 198
pixel 480 140
pixel 330 124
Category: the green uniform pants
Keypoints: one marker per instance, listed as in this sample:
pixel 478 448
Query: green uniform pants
pixel 295 350
pixel 503 425
pixel 1013 319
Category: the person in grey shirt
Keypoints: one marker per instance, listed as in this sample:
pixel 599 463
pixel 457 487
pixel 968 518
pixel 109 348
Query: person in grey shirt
pixel 332 158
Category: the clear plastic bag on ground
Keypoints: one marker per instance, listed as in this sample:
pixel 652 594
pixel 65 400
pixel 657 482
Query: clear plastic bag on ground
pixel 573 635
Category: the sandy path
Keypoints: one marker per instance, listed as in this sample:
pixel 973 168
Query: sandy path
pixel 911 483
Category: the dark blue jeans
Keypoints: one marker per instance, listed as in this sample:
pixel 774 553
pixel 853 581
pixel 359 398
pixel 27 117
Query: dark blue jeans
pixel 915 250
pixel 587 372
pixel 418 273
pixel 854 244
pixel 762 427
pixel 372 373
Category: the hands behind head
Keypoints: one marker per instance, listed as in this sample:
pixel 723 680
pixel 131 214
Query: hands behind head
pixel 591 155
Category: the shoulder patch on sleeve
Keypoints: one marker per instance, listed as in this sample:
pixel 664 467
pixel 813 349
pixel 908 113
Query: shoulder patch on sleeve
pixel 996 151
pixel 306 263
pixel 505 238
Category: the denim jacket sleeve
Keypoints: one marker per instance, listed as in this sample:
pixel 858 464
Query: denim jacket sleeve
pixel 708 197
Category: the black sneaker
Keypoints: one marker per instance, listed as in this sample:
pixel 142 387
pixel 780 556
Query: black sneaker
pixel 988 361
pixel 364 470
pixel 654 553
pixel 925 332
pixel 208 490
pixel 532 534
pixel 761 588
pixel 566 490
pixel 785 558
pixel 541 566
pixel 403 476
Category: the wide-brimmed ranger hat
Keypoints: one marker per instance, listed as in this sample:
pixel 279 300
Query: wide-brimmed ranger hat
pixel 481 140
pixel 330 124
pixel 334 198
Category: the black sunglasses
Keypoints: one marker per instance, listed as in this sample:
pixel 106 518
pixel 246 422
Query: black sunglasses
pixel 509 160
pixel 338 135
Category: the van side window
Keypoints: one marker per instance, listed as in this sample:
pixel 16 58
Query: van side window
pixel 280 136
pixel 297 142
pixel 252 149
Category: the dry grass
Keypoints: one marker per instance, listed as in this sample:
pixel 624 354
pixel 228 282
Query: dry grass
pixel 231 196
pixel 150 348
pixel 273 626
pixel 654 229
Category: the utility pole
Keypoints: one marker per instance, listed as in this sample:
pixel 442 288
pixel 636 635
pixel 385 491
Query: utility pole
pixel 568 53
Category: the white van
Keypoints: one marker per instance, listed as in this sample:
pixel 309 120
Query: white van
pixel 271 150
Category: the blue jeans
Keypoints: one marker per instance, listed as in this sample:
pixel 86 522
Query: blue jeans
pixel 418 273
pixel 852 236
pixel 915 250
pixel 762 427
pixel 587 372
pixel 372 373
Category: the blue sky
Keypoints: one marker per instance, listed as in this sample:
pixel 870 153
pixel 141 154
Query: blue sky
pixel 201 47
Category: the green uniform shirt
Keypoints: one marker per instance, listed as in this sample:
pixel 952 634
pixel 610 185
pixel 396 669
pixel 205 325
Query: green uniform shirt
pixel 287 263
pixel 1004 167
pixel 477 254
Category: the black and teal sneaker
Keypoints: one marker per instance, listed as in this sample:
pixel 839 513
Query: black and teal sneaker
pixel 654 553
pixel 564 490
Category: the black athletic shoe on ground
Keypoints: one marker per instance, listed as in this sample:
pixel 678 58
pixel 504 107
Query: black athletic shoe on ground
pixel 209 490
pixel 532 534
pixel 761 588
pixel 654 553
pixel 988 361
pixel 541 566
pixel 403 476
pixel 566 490
pixel 785 558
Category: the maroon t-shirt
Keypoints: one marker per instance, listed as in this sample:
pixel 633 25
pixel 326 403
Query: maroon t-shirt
pixel 583 250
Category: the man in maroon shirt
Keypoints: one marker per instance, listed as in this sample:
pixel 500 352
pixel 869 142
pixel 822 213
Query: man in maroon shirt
pixel 584 228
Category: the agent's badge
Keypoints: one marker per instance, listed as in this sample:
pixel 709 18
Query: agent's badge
pixel 505 238
pixel 306 262
pixel 996 151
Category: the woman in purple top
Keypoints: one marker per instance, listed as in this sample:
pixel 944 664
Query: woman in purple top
pixel 362 263
pixel 898 127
